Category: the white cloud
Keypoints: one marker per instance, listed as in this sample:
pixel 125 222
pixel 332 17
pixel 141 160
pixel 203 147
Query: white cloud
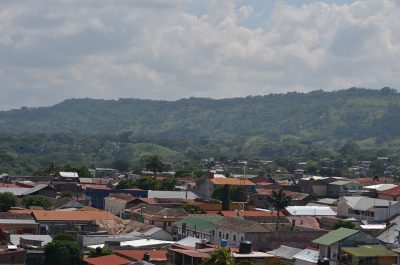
pixel 52 50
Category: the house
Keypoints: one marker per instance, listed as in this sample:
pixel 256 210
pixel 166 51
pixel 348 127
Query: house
pixel 392 194
pixel 316 186
pixel 247 255
pixel 306 257
pixel 18 223
pixel 206 186
pixel 157 257
pixel 155 215
pixel 168 194
pixel 69 176
pixel 340 188
pixel 30 241
pixel 259 199
pixel 198 226
pixel 97 195
pixel 331 243
pixel 142 230
pixel 365 208
pixel 368 254
pixel 108 259
pixel 116 203
pixel 234 230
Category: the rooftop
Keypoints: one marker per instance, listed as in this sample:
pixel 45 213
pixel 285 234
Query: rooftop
pixel 42 215
pixel 199 222
pixel 285 252
pixel 364 203
pixel 171 194
pixel 137 254
pixel 307 255
pixel 107 260
pixel 239 224
pixel 380 187
pixel 310 210
pixel 369 251
pixel 335 236
pixel 232 181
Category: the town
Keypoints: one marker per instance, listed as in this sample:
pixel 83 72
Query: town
pixel 229 212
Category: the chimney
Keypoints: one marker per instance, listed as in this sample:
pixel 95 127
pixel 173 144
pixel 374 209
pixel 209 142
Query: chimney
pixel 146 257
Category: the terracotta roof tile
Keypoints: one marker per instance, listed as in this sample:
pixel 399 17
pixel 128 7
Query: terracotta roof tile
pixel 136 254
pixel 107 260
pixel 391 192
pixel 41 215
pixel 232 181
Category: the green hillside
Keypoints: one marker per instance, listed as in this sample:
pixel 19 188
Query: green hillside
pixel 259 126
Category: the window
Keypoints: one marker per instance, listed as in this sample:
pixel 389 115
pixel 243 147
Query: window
pixel 219 235
pixel 241 239
pixel 227 236
pixel 213 232
pixel 234 237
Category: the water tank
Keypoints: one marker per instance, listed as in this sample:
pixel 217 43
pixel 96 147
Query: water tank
pixel 245 247
pixel 224 242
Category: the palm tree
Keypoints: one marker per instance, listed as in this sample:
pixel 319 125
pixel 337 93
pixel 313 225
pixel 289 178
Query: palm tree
pixel 220 256
pixel 279 200
pixel 154 164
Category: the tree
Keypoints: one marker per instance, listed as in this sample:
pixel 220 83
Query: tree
pixel 345 224
pixel 62 252
pixel 7 200
pixel 238 194
pixel 279 200
pixel 64 237
pixel 223 193
pixel 37 200
pixel 126 184
pixel 100 252
pixel 168 183
pixel 193 209
pixel 220 256
pixel 147 183
pixel 154 164
pixel 121 165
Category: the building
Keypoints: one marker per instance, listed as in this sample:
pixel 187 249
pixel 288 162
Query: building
pixel 97 195
pixel 365 208
pixel 108 259
pixel 116 203
pixel 331 243
pixel 259 199
pixel 392 194
pixel 341 188
pixel 206 186
pixel 157 257
pixel 12 255
pixel 198 226
pixel 368 254
pixel 284 254
pixel 306 257
pixel 234 230
pixel 155 215
pixel 316 186
pixel 309 211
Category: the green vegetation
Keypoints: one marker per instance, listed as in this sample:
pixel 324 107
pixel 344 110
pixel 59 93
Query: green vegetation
pixel 193 209
pixel 123 133
pixel 37 200
pixel 7 200
pixel 345 224
pixel 279 200
pixel 100 252
pixel 220 256
pixel 66 194
pixel 62 251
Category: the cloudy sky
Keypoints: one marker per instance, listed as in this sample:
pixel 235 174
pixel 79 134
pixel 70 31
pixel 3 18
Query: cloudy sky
pixel 51 50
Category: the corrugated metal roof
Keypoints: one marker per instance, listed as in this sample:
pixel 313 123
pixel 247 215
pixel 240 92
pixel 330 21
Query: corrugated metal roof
pixel 364 203
pixel 171 194
pixel 335 236
pixel 285 252
pixel 310 210
pixel 308 255
pixel 18 221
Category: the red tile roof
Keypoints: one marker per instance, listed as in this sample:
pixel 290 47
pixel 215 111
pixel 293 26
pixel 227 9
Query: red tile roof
pixel 42 215
pixel 232 181
pixel 391 192
pixel 136 254
pixel 107 260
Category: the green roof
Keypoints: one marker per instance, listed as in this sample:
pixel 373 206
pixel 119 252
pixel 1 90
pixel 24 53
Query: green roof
pixel 335 236
pixel 340 182
pixel 202 222
pixel 369 251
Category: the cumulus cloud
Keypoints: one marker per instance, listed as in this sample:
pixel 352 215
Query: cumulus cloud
pixel 53 50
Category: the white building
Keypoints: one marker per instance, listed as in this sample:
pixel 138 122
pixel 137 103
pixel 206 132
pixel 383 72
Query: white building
pixel 365 208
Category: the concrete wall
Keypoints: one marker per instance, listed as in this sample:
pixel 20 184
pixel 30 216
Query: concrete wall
pixel 272 240
pixel 116 207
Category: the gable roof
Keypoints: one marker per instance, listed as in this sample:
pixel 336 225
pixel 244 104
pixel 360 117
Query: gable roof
pixel 364 203
pixel 232 181
pixel 42 215
pixel 248 213
pixel 285 252
pixel 369 251
pixel 335 236
pixel 308 255
pixel 391 192
pixel 107 260
pixel 310 210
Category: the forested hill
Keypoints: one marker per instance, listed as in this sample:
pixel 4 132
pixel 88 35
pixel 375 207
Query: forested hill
pixel 368 116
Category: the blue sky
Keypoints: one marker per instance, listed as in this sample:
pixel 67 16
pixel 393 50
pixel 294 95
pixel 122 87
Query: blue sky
pixel 157 49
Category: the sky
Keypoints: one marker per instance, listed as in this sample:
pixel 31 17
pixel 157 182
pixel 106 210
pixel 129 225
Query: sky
pixel 52 50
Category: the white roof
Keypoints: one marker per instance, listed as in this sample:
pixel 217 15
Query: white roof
pixel 253 254
pixel 69 174
pixel 166 194
pixel 380 187
pixel 189 241
pixel 307 255
pixel 373 226
pixel 364 203
pixel 138 243
pixel 219 176
pixel 311 210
